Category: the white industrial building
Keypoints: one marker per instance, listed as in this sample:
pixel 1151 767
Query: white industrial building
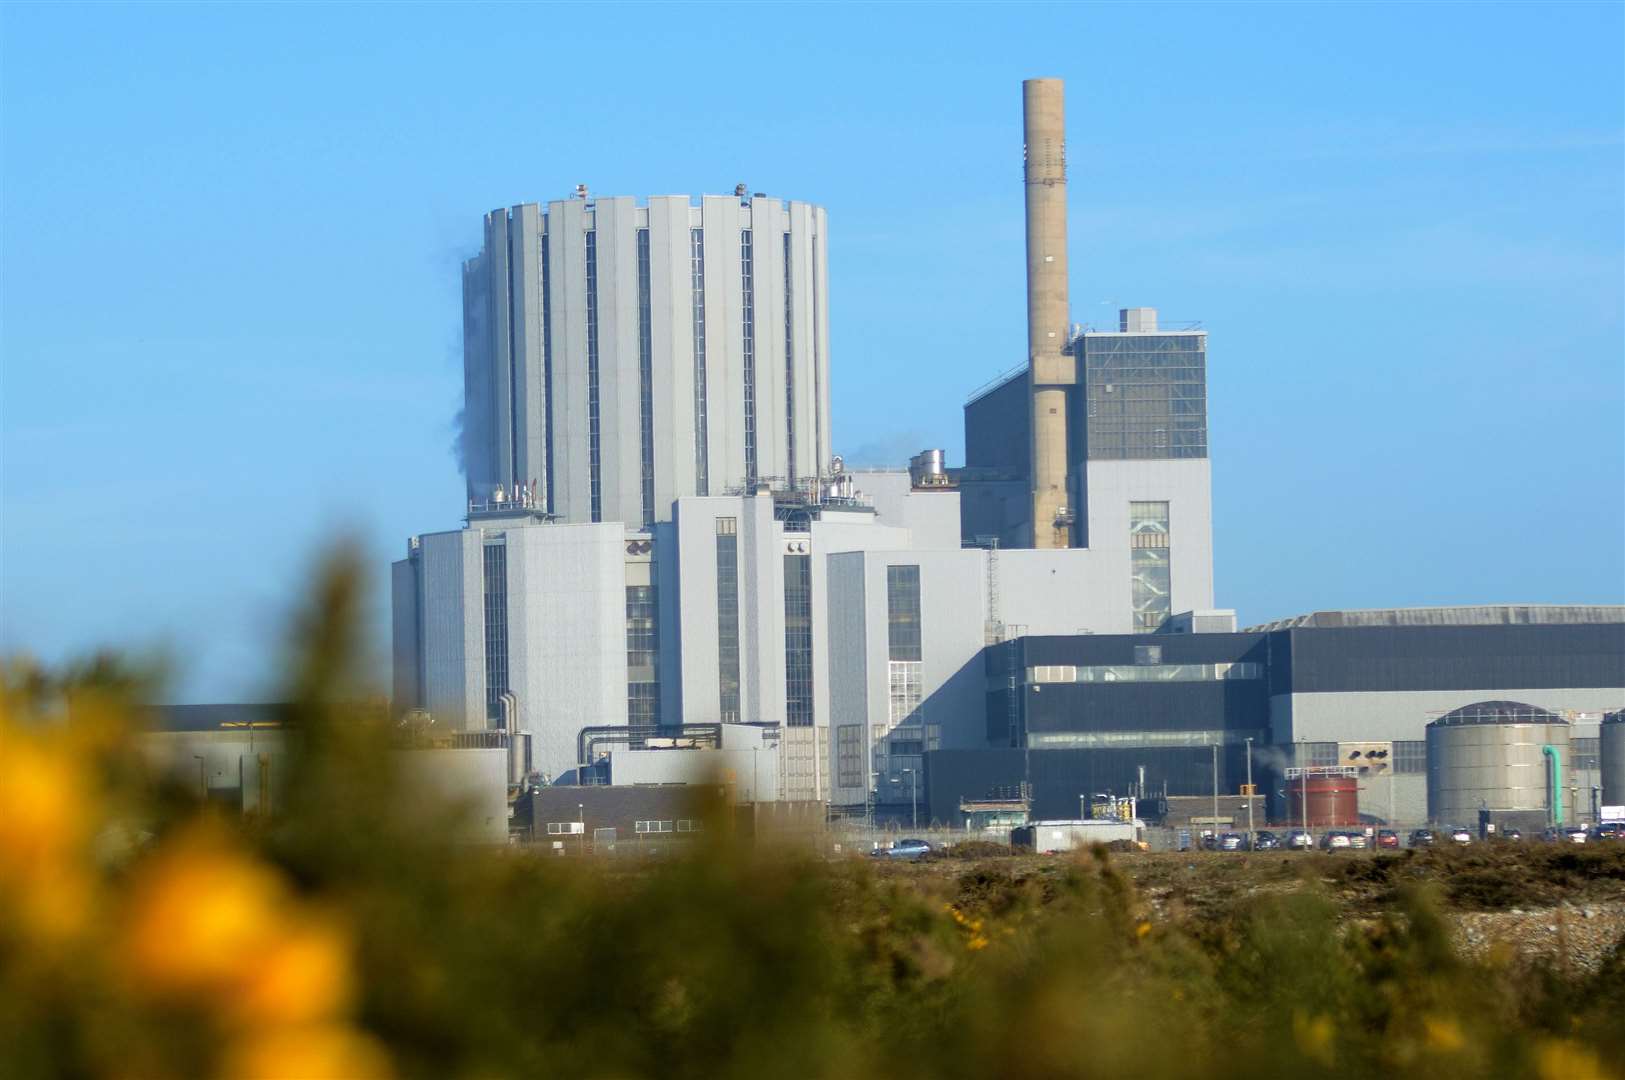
pixel 854 620
pixel 618 356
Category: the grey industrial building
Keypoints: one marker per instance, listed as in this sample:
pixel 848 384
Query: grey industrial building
pixel 1080 714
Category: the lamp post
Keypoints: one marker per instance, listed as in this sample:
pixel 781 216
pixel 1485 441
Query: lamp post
pixel 1215 795
pixel 1250 838
pixel 202 777
pixel 581 828
pixel 913 798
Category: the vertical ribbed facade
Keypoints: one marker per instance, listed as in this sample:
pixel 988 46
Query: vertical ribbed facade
pixel 618 356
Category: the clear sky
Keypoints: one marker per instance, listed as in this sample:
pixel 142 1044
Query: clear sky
pixel 231 320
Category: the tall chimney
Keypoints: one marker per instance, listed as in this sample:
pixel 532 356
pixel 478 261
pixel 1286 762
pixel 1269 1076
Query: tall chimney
pixel 1049 361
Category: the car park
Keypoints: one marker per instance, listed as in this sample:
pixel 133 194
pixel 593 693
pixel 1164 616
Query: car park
pixel 1460 835
pixel 1265 840
pixel 1423 838
pixel 1387 839
pixel 1300 841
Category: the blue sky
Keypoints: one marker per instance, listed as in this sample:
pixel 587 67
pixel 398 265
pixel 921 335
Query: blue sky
pixel 231 307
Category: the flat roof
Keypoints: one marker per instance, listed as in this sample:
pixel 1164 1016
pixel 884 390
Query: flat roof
pixel 1459 615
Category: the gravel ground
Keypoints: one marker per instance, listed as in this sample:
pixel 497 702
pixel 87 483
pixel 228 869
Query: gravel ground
pixel 1581 935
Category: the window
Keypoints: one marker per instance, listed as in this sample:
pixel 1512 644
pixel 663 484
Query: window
pixel 1146 395
pixel 849 756
pixel 496 631
pixel 903 612
pixel 747 274
pixel 1150 586
pixel 1143 739
pixel 644 827
pixel 798 701
pixel 696 274
pixel 789 367
pixel 1315 754
pixel 690 825
pixel 1066 673
pixel 728 618
pixel 646 406
pixel 1411 756
pixel 547 374
pixel 643 653
pixel 1586 753
pixel 1148 654
pixel 564 828
pixel 594 457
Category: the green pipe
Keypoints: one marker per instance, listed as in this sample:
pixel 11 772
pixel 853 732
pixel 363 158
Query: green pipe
pixel 1554 774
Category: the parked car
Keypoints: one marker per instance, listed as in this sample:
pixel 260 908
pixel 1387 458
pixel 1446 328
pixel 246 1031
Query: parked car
pixel 1575 834
pixel 1611 830
pixel 1298 840
pixel 1335 841
pixel 1460 835
pixel 1511 834
pixel 903 849
pixel 1264 840
pixel 1232 842
pixel 1357 841
pixel 1423 838
pixel 1387 839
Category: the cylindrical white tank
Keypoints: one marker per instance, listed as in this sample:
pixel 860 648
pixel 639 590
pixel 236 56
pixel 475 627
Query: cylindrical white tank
pixel 1493 755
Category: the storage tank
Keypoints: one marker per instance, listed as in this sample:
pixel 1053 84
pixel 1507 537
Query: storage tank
pixel 1613 758
pixel 1321 797
pixel 1497 755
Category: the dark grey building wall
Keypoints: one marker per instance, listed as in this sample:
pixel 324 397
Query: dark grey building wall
pixel 1058 777
pixel 1446 658
pixel 998 428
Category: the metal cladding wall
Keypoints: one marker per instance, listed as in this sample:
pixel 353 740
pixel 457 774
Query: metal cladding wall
pixel 998 428
pixel 1482 766
pixel 1059 777
pixel 1386 658
pixel 1319 801
pixel 1152 706
pixel 1613 759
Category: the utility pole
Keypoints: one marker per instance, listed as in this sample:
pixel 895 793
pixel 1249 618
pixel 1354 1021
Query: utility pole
pixel 581 828
pixel 913 798
pixel 1250 793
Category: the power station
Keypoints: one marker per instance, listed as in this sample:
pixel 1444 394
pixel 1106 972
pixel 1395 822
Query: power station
pixel 662 549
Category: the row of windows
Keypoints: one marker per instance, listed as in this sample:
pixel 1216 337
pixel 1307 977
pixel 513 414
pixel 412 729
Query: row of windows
pixel 547 370
pixel 642 655
pixel 594 459
pixel 496 628
pixel 747 274
pixel 1123 740
pixel 696 273
pixel 728 618
pixel 789 366
pixel 798 678
pixel 1045 674
pixel 646 382
pixel 682 825
pixel 849 756
pixel 903 612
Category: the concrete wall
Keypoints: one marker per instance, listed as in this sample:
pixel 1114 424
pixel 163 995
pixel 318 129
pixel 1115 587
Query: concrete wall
pixel 748 775
pixel 1186 485
pixel 451 613
pixel 464 791
pixel 508 323
pixel 566 634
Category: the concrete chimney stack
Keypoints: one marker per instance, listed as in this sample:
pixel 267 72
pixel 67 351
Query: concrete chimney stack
pixel 1049 360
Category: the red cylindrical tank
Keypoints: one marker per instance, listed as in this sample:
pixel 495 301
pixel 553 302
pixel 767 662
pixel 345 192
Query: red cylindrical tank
pixel 1326 800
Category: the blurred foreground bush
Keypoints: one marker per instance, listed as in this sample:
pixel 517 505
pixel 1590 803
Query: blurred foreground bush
pixel 141 934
